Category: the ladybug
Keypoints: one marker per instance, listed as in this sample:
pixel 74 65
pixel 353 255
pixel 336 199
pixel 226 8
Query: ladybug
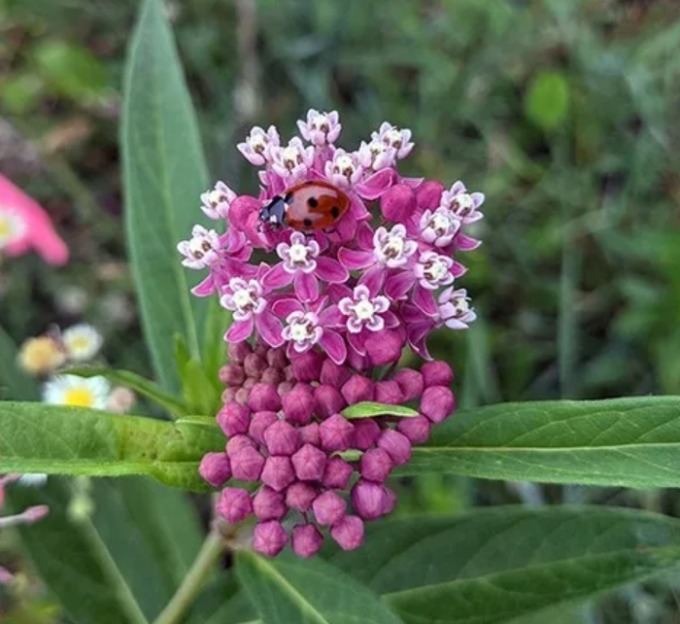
pixel 314 205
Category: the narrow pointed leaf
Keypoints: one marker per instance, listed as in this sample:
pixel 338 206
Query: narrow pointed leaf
pixel 368 409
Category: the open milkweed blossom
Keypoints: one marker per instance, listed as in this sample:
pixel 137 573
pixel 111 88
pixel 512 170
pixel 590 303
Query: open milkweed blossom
pixel 320 322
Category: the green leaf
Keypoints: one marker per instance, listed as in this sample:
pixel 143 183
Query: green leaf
pixel 164 174
pixel 368 409
pixel 494 565
pixel 201 421
pixel 288 590
pixel 75 441
pixel 200 393
pixel 547 100
pixel 136 382
pixel 630 442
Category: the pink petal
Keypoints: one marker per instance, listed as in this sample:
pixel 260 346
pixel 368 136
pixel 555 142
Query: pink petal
pixel 239 331
pixel 331 270
pixel 205 288
pixel 334 346
pixel 466 243
pixel 270 329
pixel 424 299
pixel 398 285
pixel 331 317
pixel 338 291
pixel 373 279
pixel 355 260
pixel 285 307
pixel 347 227
pixel 365 236
pixel 417 337
pixel 413 182
pixel 391 319
pixel 457 270
pixel 374 186
pixel 356 341
pixel 306 286
pixel 277 277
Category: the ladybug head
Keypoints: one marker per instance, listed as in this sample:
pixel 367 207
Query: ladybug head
pixel 273 214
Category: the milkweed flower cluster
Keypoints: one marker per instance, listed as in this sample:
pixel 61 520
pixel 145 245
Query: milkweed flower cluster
pixel 320 322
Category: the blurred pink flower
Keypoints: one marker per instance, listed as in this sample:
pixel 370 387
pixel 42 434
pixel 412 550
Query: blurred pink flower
pixel 31 224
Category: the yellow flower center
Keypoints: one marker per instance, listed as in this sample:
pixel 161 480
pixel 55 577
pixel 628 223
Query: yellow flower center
pixel 79 397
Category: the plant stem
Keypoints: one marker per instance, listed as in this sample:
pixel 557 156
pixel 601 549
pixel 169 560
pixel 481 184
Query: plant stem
pixel 194 581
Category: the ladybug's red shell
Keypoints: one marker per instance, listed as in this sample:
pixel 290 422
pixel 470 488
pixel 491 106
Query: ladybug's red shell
pixel 315 206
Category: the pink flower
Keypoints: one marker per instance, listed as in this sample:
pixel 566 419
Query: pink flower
pixel 344 170
pixel 439 227
pixel 258 145
pixel 376 155
pixel 387 249
pixel 293 161
pixel 399 140
pixel 216 202
pixel 320 128
pixel 24 225
pixel 202 250
pixel 462 204
pixel 454 309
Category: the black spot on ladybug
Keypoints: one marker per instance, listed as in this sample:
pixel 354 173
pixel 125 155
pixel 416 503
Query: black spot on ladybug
pixel 308 222
pixel 335 211
pixel 313 203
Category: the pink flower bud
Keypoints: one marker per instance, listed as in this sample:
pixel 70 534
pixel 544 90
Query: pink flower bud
pixel 278 472
pixel 249 383
pixel 397 446
pixel 438 403
pixel 264 398
pixel 215 469
pixel 237 443
pixel 232 375
pixel 385 347
pixel 289 374
pixel 337 433
pixel 411 383
pixel 333 374
pixel 366 433
pixel 299 405
pixel 329 401
pixel 241 396
pixel 300 496
pixel 273 376
pixel 234 505
pixel 428 194
pixel 369 499
pixel 309 463
pixel 269 538
pixel 307 540
pixel 358 389
pixel 358 362
pixel 309 434
pixel 259 424
pixel 229 395
pixel 233 419
pixel 276 358
pixel 376 465
pixel 307 366
pixel 246 464
pixel 398 203
pixel 269 504
pixel 338 473
pixel 348 533
pixel 254 365
pixel 417 429
pixel 238 351
pixel 388 392
pixel 282 438
pixel 437 374
pixel 329 508
pixel 283 387
pixel 262 349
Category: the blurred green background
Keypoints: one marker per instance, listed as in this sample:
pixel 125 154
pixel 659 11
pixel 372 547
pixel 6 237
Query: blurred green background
pixel 566 113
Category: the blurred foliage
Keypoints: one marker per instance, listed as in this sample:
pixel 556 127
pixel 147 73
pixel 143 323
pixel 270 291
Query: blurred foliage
pixel 564 113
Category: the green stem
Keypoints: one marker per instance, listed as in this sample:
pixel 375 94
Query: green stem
pixel 194 581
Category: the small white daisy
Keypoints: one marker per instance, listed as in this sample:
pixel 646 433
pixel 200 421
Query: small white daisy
pixel 33 479
pixel 12 227
pixel 77 392
pixel 82 342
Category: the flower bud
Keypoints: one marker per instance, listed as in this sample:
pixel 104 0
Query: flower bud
pixel 348 533
pixel 269 504
pixel 333 374
pixel 229 395
pixel 264 398
pixel 283 387
pixel 273 376
pixel 369 499
pixel 232 375
pixel 276 358
pixel 429 194
pixel 337 433
pixel 338 473
pixel 241 396
pixel 329 401
pixel 307 540
pixel 289 374
pixel 411 383
pixel 238 351
pixel 398 203
pixel 254 365
pixel 397 446
pixel 269 538
pixel 282 438
pixel 358 389
pixel 278 472
pixel 437 374
pixel 388 392
pixel 233 419
pixel 214 469
pixel 309 463
pixel 237 443
pixel 385 347
pixel 309 434
pixel 300 495
pixel 329 508
pixel 299 405
pixel 366 433
pixel 307 366
pixel 246 464
pixel 376 465
pixel 249 383
pixel 358 362
pixel 234 505
pixel 262 348
pixel 438 403
pixel 259 424
pixel 417 429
